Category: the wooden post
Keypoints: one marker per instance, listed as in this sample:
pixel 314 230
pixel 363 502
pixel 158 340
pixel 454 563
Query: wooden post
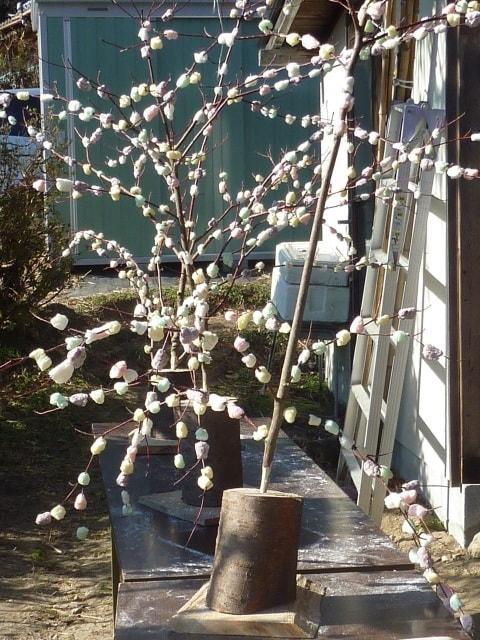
pixel 255 561
pixel 224 456
pixel 463 112
pixel 290 352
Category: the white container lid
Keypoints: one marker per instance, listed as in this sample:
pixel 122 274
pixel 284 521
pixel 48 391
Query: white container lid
pixel 290 258
pixel 295 253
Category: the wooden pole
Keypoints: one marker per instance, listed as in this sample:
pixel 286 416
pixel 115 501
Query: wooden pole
pixel 282 392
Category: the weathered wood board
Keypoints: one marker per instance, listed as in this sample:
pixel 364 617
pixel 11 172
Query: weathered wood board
pixel 300 619
pixel 170 503
pixel 379 605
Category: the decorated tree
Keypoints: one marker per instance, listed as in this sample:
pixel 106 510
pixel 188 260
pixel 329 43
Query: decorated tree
pixel 293 189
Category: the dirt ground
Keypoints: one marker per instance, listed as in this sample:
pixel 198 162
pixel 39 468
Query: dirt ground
pixel 53 589
pixel 47 595
pixel 67 597
pixel 451 562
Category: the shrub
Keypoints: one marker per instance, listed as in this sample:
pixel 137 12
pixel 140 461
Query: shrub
pixel 30 237
pixel 18 53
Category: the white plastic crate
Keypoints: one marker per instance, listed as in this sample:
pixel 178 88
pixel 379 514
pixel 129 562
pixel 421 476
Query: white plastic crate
pixel 328 295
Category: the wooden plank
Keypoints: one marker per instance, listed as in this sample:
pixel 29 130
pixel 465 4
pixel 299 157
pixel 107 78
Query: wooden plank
pixel 170 503
pixel 363 400
pixel 362 425
pixel 371 328
pixel 354 467
pixel 387 307
pixel 464 277
pixel 381 256
pixel 398 225
pixel 158 446
pixel 317 18
pixel 454 132
pixel 369 297
pixel 364 606
pixel 382 96
pixel 408 122
pixel 283 24
pixel 115 575
pixel 299 619
pixel 352 415
pixel 394 128
pixel 303 16
pixel 15 20
pixel 402 350
pixel 283 55
pixel 148 544
pixel 406 55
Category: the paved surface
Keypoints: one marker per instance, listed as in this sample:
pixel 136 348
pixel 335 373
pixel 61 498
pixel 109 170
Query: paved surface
pixel 93 284
pixel 90 284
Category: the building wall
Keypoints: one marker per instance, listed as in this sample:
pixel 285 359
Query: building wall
pixel 345 218
pixel 242 140
pixel 337 361
pixel 422 448
pixel 337 216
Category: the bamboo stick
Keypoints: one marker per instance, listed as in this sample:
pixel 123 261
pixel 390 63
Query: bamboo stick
pixel 282 392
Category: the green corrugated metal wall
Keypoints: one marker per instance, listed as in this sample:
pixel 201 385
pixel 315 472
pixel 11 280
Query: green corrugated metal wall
pixel 239 140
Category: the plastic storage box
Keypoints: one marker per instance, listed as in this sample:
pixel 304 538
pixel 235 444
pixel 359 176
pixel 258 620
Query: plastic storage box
pixel 328 295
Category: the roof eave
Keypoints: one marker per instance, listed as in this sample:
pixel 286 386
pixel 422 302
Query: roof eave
pixel 325 17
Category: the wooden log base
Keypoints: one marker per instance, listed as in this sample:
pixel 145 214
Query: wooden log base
pixel 157 446
pixel 300 619
pixel 255 564
pixel 171 504
pixel 224 455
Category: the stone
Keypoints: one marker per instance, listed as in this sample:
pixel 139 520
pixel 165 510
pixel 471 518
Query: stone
pixel 474 546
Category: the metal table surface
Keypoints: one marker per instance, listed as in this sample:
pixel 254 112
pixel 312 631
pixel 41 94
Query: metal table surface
pixel 381 605
pixel 149 545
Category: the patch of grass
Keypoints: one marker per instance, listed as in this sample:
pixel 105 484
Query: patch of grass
pixel 310 395
pixel 242 384
pixel 313 395
pixel 37 555
pixel 433 522
pixel 245 295
pixel 99 303
pixel 45 452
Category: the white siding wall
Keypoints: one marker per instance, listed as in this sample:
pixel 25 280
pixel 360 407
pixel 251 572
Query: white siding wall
pixel 337 367
pixel 329 108
pixel 422 435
